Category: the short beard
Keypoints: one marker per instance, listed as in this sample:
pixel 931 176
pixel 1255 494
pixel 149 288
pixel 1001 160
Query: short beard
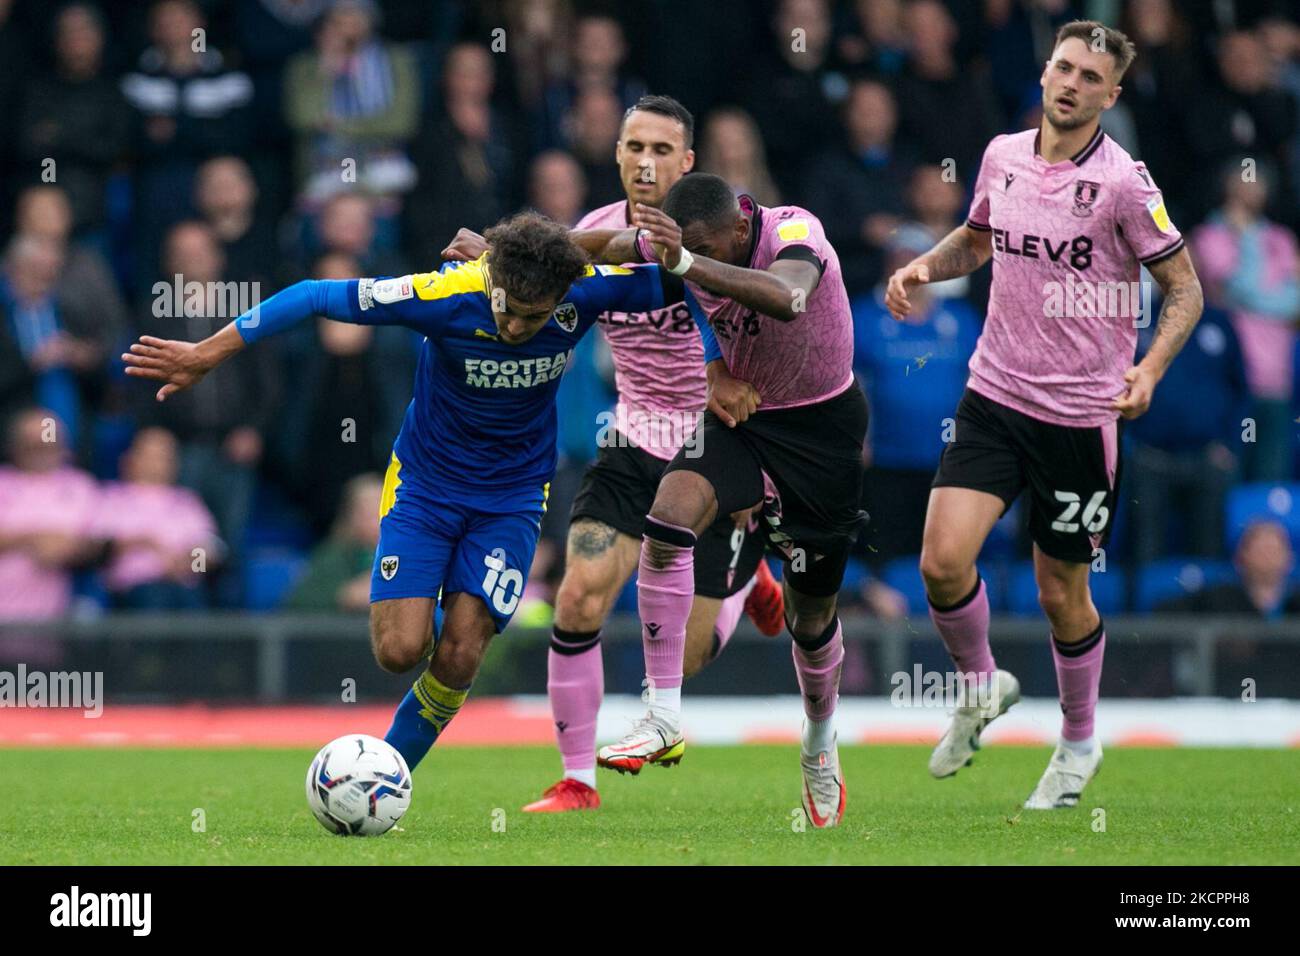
pixel 1067 123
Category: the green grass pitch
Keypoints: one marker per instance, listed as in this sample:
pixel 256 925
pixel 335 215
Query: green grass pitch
pixel 722 805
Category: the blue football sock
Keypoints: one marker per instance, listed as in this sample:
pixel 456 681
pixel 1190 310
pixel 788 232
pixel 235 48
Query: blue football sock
pixel 422 715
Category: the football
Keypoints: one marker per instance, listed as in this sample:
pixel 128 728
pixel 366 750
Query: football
pixel 358 786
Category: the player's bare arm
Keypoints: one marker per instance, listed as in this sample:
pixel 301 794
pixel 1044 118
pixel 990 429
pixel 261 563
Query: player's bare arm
pixel 177 364
pixel 780 291
pixel 959 253
pixel 1183 302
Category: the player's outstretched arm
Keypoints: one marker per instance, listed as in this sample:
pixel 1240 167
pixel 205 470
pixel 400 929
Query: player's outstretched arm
pixel 179 365
pixel 608 246
pixel 1183 302
pixel 959 253
pixel 781 290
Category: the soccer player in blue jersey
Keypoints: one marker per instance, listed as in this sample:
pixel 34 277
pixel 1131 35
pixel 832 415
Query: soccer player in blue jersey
pixel 467 484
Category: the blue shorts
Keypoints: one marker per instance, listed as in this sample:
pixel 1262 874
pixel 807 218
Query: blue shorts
pixel 435 541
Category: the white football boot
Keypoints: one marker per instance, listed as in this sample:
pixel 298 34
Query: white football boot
pixel 962 739
pixel 1063 781
pixel 824 794
pixel 653 739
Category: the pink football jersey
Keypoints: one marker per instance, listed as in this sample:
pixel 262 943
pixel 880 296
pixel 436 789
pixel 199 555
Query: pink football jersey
pixel 803 361
pixel 1066 302
pixel 658 363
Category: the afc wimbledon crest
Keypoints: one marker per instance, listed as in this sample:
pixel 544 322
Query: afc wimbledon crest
pixel 388 566
pixel 566 316
pixel 1085 194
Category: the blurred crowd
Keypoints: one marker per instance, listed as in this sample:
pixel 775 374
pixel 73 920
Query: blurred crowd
pixel 246 144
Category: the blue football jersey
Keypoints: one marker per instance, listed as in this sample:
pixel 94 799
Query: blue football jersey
pixel 483 411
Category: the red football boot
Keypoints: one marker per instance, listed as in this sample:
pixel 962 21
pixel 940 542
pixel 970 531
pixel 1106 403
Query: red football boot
pixel 765 604
pixel 568 794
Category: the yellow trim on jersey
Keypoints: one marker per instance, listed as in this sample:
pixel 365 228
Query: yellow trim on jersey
pixel 459 279
pixel 793 231
pixel 613 270
pixel 391 483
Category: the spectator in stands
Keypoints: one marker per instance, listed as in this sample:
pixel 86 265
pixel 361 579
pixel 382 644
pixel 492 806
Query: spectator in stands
pixel 914 372
pixel 1185 450
pixel 1264 560
pixel 732 148
pixel 17 70
pixel 86 285
pixel 1155 88
pixel 61 340
pixel 188 106
pixel 874 41
pixel 950 111
pixel 162 538
pixel 76 117
pixel 597 63
pixel 859 189
pixel 592 129
pixel 797 92
pixel 1281 39
pixel 353 104
pixel 47 519
pixel 225 194
pixel 220 422
pixel 345 405
pixel 466 158
pixel 347 227
pixel 1250 267
pixel 338 577
pixel 1243 110
pixel 538 31
pixel 557 187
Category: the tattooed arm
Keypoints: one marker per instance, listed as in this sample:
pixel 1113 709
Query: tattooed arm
pixel 1178 316
pixel 959 253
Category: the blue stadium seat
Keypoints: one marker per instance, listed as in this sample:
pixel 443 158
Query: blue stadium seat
pixel 1108 589
pixel 903 575
pixel 274 522
pixel 1247 503
pixel 269 576
pixel 1176 577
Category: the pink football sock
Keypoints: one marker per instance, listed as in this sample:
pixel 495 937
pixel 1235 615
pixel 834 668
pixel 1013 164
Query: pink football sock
pixel 964 628
pixel 575 683
pixel 1078 678
pixel 818 671
pixel 729 615
pixel 664 598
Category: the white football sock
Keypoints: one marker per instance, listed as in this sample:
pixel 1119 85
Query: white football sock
pixel 818 735
pixel 1080 747
pixel 587 775
pixel 667 701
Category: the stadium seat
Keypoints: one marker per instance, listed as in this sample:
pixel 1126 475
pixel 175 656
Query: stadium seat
pixel 903 575
pixel 269 576
pixel 1108 589
pixel 1263 500
pixel 1176 577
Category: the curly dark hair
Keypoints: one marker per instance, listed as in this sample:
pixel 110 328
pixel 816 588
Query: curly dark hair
pixel 533 258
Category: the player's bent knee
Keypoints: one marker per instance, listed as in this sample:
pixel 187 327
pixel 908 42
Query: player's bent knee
pixel 458 657
pixel 1058 599
pixel 685 500
pixel 943 569
pixel 582 604
pixel 396 650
